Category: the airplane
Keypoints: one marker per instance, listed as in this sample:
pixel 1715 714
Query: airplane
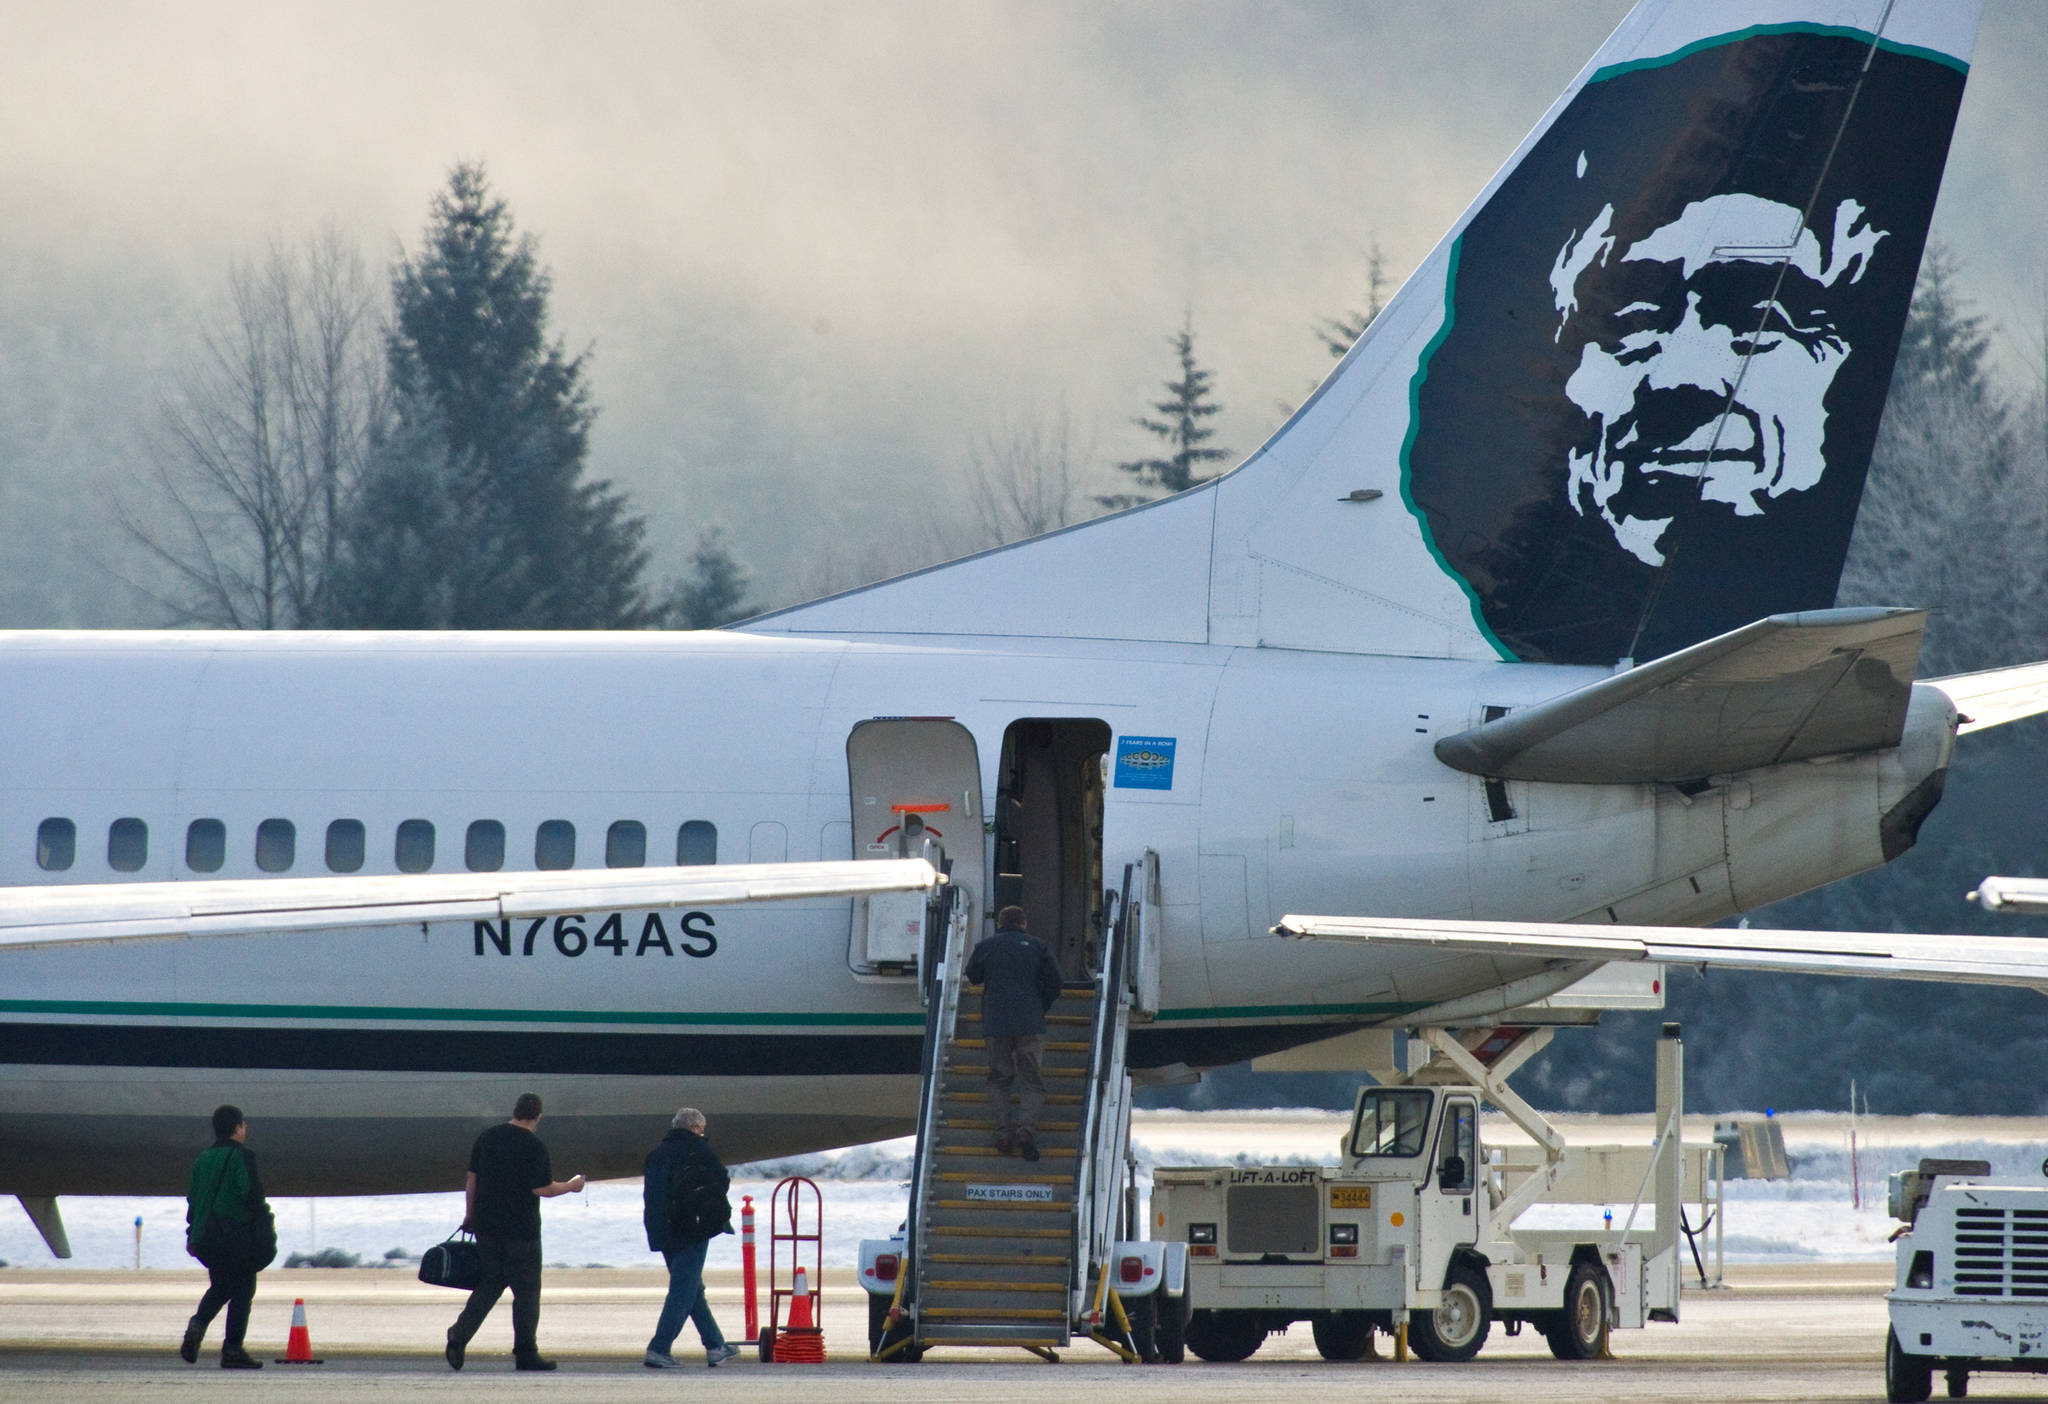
pixel 1516 642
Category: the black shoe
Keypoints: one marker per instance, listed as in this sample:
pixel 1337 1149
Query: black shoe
pixel 533 1362
pixel 454 1353
pixel 1027 1148
pixel 188 1349
pixel 239 1359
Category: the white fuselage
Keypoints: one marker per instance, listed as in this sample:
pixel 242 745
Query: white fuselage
pixel 1301 782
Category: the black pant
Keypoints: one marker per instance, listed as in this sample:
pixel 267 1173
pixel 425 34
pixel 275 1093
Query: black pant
pixel 234 1290
pixel 506 1262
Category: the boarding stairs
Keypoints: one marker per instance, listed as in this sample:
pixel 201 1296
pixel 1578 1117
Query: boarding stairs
pixel 1000 1251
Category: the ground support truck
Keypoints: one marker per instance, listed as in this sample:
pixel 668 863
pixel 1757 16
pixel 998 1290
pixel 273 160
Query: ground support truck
pixel 1414 1232
pixel 1971 1292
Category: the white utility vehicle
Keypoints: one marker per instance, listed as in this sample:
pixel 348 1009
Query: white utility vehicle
pixel 1415 1231
pixel 1972 1285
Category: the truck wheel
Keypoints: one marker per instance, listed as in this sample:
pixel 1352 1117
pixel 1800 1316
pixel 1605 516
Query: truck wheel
pixel 1170 1315
pixel 1958 1384
pixel 1908 1379
pixel 1142 1312
pixel 1580 1330
pixel 1341 1335
pixel 1458 1327
pixel 1225 1336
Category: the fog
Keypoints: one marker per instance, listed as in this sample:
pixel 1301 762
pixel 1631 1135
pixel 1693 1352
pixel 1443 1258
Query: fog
pixel 815 250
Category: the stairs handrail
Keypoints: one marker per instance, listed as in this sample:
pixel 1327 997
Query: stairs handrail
pixel 942 988
pixel 1105 1107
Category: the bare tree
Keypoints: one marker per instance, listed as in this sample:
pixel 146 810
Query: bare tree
pixel 259 443
pixel 1025 479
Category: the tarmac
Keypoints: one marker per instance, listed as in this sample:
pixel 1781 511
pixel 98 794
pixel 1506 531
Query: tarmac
pixel 1779 1332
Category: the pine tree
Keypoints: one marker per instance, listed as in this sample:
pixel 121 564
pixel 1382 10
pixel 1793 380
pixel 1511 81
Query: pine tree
pixel 715 590
pixel 1338 333
pixel 475 512
pixel 1182 412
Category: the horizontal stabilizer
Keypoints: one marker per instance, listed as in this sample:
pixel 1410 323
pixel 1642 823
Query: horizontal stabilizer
pixel 1972 960
pixel 1996 696
pixel 1791 687
pixel 141 911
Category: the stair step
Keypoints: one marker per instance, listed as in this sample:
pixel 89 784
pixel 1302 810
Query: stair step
pixel 1052 1099
pixel 981 1231
pixel 984 1284
pixel 966 1018
pixel 946 1333
pixel 980 1070
pixel 1003 1206
pixel 995 1177
pixel 1038 1274
pixel 1045 1152
pixel 996 1260
pixel 991 1313
pixel 1051 1045
pixel 983 1123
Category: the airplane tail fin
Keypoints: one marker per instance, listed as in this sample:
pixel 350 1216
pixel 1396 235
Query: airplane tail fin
pixel 1626 405
pixel 1670 330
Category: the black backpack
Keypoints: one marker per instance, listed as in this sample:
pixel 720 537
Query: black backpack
pixel 697 1206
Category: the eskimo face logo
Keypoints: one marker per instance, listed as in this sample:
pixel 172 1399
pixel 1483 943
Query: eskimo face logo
pixel 1712 384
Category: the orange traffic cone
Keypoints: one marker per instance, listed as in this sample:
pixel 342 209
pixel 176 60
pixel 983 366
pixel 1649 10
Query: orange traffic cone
pixel 298 1349
pixel 802 1342
pixel 800 1318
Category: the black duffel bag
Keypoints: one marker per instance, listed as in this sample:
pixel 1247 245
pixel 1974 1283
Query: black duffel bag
pixel 231 1245
pixel 453 1262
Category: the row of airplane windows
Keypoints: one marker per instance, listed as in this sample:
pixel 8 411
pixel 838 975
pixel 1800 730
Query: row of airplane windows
pixel 277 845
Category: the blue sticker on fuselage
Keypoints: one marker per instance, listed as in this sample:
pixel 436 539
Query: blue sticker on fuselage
pixel 1144 763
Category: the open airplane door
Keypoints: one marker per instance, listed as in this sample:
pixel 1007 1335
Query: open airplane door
pixel 915 784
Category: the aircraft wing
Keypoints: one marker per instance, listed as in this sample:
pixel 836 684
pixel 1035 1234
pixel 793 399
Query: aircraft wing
pixel 62 915
pixel 1996 696
pixel 1973 960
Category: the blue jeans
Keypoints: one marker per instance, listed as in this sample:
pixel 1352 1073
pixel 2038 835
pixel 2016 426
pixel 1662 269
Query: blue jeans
pixel 685 1298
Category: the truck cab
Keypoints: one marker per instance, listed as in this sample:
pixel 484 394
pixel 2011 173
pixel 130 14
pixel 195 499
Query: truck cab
pixel 1971 1291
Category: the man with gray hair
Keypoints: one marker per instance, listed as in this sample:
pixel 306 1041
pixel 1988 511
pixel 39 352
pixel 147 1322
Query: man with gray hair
pixel 684 1207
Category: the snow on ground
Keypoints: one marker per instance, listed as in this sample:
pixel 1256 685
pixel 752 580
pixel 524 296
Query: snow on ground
pixel 1811 1216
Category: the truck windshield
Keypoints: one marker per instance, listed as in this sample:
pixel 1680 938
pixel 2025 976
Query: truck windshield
pixel 1391 1121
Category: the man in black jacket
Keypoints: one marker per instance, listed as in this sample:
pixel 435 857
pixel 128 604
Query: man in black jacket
pixel 1020 981
pixel 228 1225
pixel 684 1207
pixel 509 1175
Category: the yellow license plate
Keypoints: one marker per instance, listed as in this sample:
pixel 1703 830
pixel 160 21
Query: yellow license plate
pixel 1351 1196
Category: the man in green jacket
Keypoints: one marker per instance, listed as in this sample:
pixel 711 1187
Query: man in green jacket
pixel 226 1219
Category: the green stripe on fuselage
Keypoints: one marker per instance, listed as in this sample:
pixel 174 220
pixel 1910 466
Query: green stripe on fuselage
pixel 136 1009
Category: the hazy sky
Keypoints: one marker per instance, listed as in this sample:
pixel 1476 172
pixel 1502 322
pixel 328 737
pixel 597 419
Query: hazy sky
pixel 818 249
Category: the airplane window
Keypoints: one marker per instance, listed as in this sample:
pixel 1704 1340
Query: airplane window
pixel 484 848
pixel 127 845
pixel 554 844
pixel 697 843
pixel 277 845
pixel 345 846
pixel 415 846
pixel 206 845
pixel 56 844
pixel 625 845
